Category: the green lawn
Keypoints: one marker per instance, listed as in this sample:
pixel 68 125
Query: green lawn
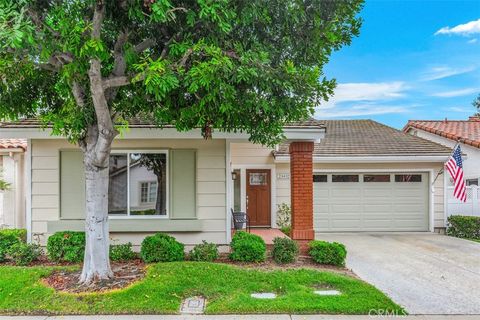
pixel 227 289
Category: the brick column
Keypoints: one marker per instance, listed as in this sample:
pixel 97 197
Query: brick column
pixel 301 186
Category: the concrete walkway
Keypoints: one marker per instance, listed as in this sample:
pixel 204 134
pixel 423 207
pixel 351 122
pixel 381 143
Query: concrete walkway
pixel 244 317
pixel 426 273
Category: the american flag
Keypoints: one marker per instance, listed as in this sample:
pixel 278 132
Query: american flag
pixel 455 168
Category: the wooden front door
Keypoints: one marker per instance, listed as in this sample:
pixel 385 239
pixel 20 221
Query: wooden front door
pixel 258 197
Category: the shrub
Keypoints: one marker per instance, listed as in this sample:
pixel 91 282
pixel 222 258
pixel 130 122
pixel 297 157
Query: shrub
pixel 22 254
pixel 204 252
pixel 285 250
pixel 122 252
pixel 286 230
pixel 161 248
pixel 247 247
pixel 284 216
pixel 464 227
pixel 68 246
pixel 9 237
pixel 332 253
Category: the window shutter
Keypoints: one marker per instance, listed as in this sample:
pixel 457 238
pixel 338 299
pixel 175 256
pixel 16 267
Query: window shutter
pixel 72 185
pixel 183 184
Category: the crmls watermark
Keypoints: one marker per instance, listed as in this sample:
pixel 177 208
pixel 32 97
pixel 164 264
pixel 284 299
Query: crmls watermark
pixel 386 313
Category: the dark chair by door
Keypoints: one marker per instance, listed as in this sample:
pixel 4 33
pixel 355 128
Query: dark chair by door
pixel 239 219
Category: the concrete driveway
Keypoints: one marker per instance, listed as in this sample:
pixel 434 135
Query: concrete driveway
pixel 426 273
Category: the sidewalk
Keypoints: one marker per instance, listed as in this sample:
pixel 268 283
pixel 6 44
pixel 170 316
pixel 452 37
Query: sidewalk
pixel 243 317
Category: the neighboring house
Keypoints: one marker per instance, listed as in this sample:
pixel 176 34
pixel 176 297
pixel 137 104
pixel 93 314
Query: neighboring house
pixel 448 133
pixel 12 200
pixel 351 175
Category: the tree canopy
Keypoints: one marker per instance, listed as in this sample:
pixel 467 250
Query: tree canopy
pixel 476 104
pixel 229 65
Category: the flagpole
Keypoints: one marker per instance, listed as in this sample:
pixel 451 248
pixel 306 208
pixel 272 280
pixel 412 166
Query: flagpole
pixel 442 170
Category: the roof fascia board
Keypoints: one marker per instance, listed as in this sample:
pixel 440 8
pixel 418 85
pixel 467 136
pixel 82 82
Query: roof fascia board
pixel 292 134
pixel 369 159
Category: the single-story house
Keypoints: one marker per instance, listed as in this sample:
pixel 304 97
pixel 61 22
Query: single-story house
pixel 337 175
pixel 12 200
pixel 448 133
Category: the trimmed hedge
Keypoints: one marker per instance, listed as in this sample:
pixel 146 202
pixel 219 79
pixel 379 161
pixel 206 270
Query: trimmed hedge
pixel 247 247
pixel 162 248
pixel 22 254
pixel 464 227
pixel 66 246
pixel 204 252
pixel 332 253
pixel 284 250
pixel 122 252
pixel 10 237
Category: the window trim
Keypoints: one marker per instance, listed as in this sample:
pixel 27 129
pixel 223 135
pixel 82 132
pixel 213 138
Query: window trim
pixel 149 187
pixel 167 183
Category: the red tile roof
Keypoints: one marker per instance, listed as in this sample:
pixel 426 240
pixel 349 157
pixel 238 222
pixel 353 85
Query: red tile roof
pixel 13 144
pixel 465 131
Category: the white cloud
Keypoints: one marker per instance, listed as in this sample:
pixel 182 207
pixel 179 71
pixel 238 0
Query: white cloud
pixel 363 99
pixel 363 91
pixel 459 109
pixel 456 93
pixel 466 29
pixel 437 73
pixel 474 40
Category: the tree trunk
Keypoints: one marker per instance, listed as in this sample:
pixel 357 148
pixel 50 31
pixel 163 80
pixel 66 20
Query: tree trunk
pixel 96 264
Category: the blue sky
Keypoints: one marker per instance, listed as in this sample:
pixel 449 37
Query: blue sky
pixel 412 60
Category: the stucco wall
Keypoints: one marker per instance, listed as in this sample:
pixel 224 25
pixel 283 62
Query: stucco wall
pixel 210 182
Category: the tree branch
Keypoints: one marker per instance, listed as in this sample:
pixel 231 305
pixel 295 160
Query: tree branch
pixel 144 45
pixel 119 64
pixel 106 130
pixel 78 94
pixel 120 81
pixel 40 24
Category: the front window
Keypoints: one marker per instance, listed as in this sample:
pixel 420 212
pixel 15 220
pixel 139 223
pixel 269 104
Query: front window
pixel 138 184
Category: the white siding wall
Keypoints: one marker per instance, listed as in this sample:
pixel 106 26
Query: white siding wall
pixel 211 191
pixel 471 164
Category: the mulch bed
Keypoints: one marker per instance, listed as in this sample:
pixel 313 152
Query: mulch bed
pixel 125 274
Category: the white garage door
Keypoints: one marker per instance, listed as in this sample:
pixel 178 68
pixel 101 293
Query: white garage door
pixel 370 202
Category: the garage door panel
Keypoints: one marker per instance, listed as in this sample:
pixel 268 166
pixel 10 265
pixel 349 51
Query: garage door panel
pixel 408 208
pixel 377 208
pixel 320 208
pixel 412 193
pixel 321 193
pixel 345 208
pixel 345 223
pixel 378 192
pixel 377 223
pixel 342 193
pixel 371 206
